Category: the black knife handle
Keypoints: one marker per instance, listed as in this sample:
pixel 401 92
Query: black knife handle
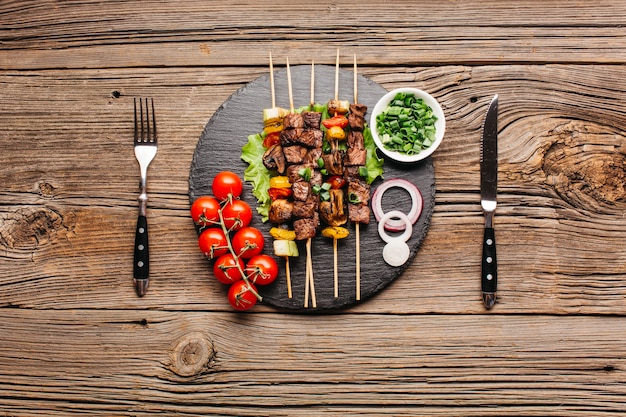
pixel 489 276
pixel 142 256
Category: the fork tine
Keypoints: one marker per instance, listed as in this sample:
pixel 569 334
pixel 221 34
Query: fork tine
pixel 154 129
pixel 136 137
pixel 145 127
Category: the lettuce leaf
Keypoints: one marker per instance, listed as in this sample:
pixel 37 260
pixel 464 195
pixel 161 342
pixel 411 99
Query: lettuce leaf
pixel 256 173
pixel 373 163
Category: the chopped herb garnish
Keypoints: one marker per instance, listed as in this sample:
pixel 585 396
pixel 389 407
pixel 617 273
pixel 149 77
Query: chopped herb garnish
pixel 407 125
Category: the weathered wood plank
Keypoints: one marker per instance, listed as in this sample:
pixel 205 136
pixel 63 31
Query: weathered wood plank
pixel 112 34
pixel 143 362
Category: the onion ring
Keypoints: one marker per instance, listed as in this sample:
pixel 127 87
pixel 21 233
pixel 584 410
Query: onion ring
pixel 417 203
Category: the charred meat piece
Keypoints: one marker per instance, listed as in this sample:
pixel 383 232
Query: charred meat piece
pixel 311 138
pixel 312 119
pixel 290 137
pixel 295 172
pixel 280 211
pixel 306 228
pixel 358 109
pixel 312 157
pixel 357 124
pixel 355 140
pixel 274 158
pixel 316 178
pixel 308 208
pixel 293 121
pixel 359 213
pixel 294 154
pixel 301 190
pixel 358 191
pixel 333 211
pixel 356 156
pixel 333 162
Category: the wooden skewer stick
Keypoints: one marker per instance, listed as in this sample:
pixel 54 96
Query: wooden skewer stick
pixel 272 82
pixel 287 266
pixel 337 76
pixel 357 227
pixel 309 284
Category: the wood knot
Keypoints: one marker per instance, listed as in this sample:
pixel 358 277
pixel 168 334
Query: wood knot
pixel 46 189
pixel 29 228
pixel 586 166
pixel 193 354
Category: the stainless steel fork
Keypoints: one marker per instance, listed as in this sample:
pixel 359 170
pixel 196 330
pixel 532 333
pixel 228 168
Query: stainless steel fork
pixel 145 141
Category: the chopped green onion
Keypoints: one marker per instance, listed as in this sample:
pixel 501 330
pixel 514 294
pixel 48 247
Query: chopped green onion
pixel 407 125
pixel 305 173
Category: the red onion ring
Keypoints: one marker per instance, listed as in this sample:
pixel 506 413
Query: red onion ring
pixel 417 203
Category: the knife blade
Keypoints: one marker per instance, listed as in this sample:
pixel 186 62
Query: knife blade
pixel 488 202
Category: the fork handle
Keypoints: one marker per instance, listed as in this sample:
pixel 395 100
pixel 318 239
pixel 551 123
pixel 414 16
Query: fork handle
pixel 142 255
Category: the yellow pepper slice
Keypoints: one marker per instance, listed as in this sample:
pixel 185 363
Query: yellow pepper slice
pixel 280 181
pixel 282 234
pixel 335 232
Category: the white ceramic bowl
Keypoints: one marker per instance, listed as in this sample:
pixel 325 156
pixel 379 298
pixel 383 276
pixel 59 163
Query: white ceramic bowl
pixel 440 124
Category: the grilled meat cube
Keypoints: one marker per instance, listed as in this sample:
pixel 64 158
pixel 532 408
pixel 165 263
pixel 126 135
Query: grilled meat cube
pixel 312 119
pixel 293 172
pixel 358 109
pixel 290 137
pixel 311 137
pixel 351 172
pixel 281 211
pixel 356 156
pixel 355 140
pixel 316 178
pixel 333 212
pixel 312 157
pixel 356 123
pixel 358 191
pixel 359 213
pixel 301 190
pixel 294 154
pixel 293 121
pixel 306 228
pixel 333 162
pixel 274 158
pixel 303 209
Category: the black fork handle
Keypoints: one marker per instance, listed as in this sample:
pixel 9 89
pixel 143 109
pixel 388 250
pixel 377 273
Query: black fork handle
pixel 142 255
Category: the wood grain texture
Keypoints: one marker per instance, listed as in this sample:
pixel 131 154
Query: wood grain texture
pixel 77 341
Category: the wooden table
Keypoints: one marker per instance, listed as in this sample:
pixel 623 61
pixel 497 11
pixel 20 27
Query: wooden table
pixel 76 340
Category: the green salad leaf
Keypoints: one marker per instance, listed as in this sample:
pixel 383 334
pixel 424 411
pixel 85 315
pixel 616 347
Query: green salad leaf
pixel 256 173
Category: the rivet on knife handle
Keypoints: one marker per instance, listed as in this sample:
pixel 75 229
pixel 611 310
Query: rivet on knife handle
pixel 489 280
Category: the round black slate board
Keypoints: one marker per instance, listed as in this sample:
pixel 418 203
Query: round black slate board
pixel 219 148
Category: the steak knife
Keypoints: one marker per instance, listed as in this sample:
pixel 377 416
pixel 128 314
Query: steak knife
pixel 488 191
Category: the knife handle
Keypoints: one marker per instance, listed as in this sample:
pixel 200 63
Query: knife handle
pixel 489 276
pixel 142 256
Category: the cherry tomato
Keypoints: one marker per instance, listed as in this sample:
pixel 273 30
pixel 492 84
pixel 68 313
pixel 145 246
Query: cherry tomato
pixel 271 139
pixel 227 185
pixel 339 120
pixel 336 182
pixel 236 214
pixel 247 242
pixel 241 295
pixel 262 269
pixel 204 211
pixel 277 193
pixel 226 269
pixel 213 242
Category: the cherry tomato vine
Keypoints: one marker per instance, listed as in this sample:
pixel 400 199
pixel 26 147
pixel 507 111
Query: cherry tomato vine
pixel 238 261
